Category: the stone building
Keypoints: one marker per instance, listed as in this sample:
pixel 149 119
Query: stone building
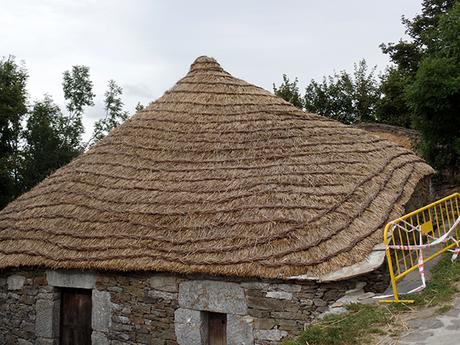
pixel 220 214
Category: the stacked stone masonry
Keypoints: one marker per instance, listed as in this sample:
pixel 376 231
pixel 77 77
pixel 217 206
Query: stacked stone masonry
pixel 162 309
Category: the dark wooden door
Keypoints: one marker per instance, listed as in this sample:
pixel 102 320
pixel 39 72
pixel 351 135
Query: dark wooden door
pixel 217 332
pixel 75 317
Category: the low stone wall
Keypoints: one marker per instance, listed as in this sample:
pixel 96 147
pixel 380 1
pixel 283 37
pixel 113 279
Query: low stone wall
pixel 162 309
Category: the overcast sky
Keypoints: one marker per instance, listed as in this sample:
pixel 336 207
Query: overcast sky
pixel 146 46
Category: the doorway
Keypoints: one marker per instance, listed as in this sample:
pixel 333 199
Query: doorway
pixel 75 317
pixel 217 329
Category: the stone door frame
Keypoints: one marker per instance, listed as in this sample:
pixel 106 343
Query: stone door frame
pixel 197 297
pixel 48 306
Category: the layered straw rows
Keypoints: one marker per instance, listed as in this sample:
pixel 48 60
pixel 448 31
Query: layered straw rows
pixel 218 177
pixel 399 135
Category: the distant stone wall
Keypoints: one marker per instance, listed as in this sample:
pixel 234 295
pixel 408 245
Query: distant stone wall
pixel 162 309
pixel 423 195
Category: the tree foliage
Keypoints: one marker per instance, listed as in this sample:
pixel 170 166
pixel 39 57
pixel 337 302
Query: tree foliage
pixel 346 97
pixel 114 113
pixel 13 107
pixel 289 91
pixel 45 148
pixel 392 107
pixel 434 96
pixel 139 106
pixel 78 93
pixel 406 56
pixel 423 36
pixel 51 137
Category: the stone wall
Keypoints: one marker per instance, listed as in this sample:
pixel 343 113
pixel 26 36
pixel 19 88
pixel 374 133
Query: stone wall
pixel 423 195
pixel 143 307
pixel 20 292
pixel 161 309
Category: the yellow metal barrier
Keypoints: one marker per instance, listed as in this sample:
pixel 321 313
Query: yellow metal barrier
pixel 413 239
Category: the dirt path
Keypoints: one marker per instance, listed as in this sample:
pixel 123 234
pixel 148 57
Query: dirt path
pixel 427 327
pixel 424 326
pixel 435 330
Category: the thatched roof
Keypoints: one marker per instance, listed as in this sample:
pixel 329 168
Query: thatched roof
pixel 217 176
pixel 402 136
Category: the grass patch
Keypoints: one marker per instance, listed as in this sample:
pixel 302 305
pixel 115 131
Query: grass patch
pixel 345 329
pixel 362 320
pixel 442 285
pixel 444 309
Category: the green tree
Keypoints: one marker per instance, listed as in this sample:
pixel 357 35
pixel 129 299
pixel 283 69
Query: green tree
pixel 423 35
pixel 114 113
pixel 45 146
pixel 53 138
pixel 406 55
pixel 346 97
pixel 434 96
pixel 392 107
pixel 289 91
pixel 78 92
pixel 139 106
pixel 13 107
pixel 332 97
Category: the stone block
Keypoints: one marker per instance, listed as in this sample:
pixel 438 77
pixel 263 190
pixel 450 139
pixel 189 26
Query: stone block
pixel 319 302
pixel 239 330
pixel 289 315
pixel 122 319
pixel 102 311
pixel 271 335
pixel 255 285
pixel 190 327
pixel 45 341
pixel 332 295
pixel 24 342
pixel 15 282
pixel 279 295
pixel 71 279
pixel 214 296
pixel 98 338
pixel 157 294
pixel 306 302
pixel 264 323
pixel 44 318
pixel 286 287
pixel 164 283
pixel 267 303
pixel 288 325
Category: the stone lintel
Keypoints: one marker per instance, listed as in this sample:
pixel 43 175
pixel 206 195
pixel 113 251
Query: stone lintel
pixel 71 279
pixel 214 296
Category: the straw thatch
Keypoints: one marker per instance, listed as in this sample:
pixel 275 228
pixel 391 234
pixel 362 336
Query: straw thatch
pixel 409 138
pixel 220 177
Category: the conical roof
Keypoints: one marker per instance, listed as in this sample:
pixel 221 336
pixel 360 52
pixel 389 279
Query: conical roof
pixel 217 176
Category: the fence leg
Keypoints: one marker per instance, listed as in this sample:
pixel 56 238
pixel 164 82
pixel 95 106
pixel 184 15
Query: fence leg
pixel 393 280
pixel 392 277
pixel 393 283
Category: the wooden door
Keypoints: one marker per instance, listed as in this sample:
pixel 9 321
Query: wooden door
pixel 75 317
pixel 217 329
